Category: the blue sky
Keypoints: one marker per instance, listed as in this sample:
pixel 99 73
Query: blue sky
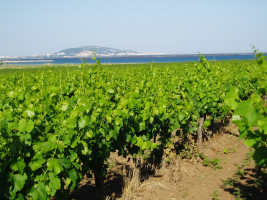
pixel 31 27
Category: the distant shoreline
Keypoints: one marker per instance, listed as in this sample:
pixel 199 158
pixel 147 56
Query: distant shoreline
pixel 26 61
pixel 47 59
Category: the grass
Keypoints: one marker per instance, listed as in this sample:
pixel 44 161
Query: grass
pixel 239 195
pixel 234 150
pixel 185 194
pixel 229 182
pixel 249 157
pixel 215 163
pixel 112 163
pixel 215 195
pixel 240 171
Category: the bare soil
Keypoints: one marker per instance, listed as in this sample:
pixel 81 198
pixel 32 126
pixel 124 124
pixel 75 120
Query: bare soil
pixel 186 178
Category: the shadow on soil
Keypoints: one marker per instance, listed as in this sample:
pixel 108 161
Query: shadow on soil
pixel 88 191
pixel 253 186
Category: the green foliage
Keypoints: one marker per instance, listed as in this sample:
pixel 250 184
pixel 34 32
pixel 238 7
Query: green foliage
pixel 59 123
pixel 206 64
pixel 260 58
pixel 231 98
pixel 206 124
pixel 96 60
pixel 248 114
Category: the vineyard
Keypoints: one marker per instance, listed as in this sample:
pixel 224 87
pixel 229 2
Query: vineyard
pixel 59 124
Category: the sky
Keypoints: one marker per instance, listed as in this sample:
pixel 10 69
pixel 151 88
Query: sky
pixel 32 27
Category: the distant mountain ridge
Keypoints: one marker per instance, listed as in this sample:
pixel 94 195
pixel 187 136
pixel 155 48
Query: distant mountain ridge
pixel 88 50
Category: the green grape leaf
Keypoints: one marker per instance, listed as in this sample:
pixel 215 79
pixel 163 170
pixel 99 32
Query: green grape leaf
pixel 54 138
pixel 65 163
pixel 54 166
pixel 181 116
pixel 109 119
pixel 20 196
pixel 36 163
pixel 139 142
pixel 117 122
pixel 41 190
pixel 84 152
pixel 10 94
pixel 260 156
pixel 142 126
pixel 29 127
pixel 117 129
pixel 73 155
pixel 111 91
pixel 246 109
pixel 71 123
pixel 148 145
pixel 145 116
pixel 25 126
pixel 83 122
pixel 176 125
pixel 144 145
pixel 30 113
pixel 263 123
pixel 22 125
pixel 154 146
pixel 65 105
pixel 134 140
pixel 54 183
pixel 19 181
pixel 231 97
pixel 151 119
pixel 27 138
pixel 128 139
pixel 251 141
pixel 19 165
pixel 35 87
pixel 34 193
pixel 113 134
pixel 74 177
pixel 90 134
pixel 67 182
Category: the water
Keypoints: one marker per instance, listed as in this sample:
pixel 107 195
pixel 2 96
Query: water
pixel 145 59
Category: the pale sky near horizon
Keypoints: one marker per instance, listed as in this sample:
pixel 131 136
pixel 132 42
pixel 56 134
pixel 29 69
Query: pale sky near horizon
pixel 31 27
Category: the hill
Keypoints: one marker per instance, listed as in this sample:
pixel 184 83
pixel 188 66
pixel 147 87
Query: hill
pixel 88 51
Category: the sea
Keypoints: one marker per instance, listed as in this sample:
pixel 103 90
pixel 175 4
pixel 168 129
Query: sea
pixel 132 59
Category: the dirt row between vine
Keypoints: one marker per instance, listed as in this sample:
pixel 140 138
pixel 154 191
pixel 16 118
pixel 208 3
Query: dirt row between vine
pixel 186 178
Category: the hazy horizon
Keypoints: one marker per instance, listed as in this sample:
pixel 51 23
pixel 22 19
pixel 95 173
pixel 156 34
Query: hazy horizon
pixel 251 51
pixel 172 27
